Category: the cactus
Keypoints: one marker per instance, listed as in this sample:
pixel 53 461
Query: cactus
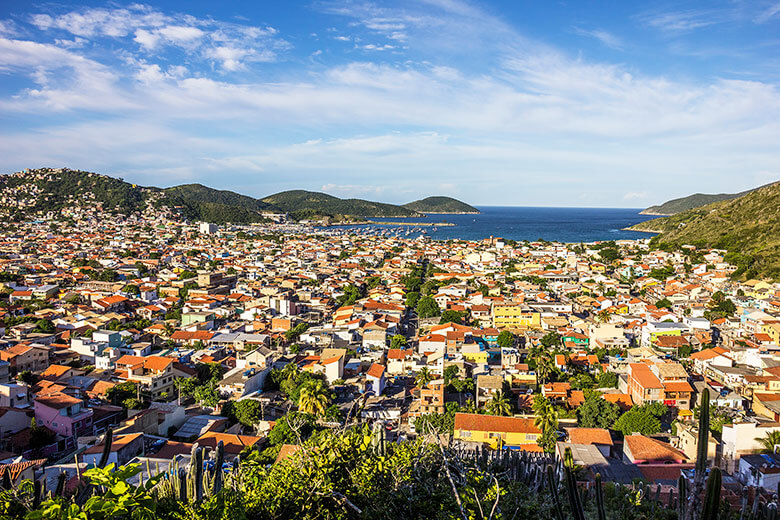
pixel 37 494
pixel 106 448
pixel 571 486
pixel 60 489
pixel 219 459
pixel 704 434
pixel 600 498
pixel 553 486
pixel 771 511
pixel 712 496
pixel 682 503
pixel 196 472
pixel 7 485
pixel 182 485
pixel 379 438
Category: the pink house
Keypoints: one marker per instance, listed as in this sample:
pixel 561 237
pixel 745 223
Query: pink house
pixel 63 414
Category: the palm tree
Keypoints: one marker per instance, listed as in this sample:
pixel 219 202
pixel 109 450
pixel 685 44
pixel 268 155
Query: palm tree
pixel 769 441
pixel 314 399
pixel 546 417
pixel 424 377
pixel 544 366
pixel 499 404
pixel 604 316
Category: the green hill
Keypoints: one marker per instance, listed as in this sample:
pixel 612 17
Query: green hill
pixel 697 200
pixel 305 204
pixel 748 227
pixel 440 205
pixel 33 193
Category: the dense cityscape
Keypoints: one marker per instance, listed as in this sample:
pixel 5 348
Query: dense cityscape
pixel 171 334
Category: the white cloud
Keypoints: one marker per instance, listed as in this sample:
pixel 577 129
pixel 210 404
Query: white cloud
pixel 770 12
pixel 606 38
pixel 354 191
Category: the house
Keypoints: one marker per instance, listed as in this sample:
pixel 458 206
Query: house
pixel 20 471
pixel 375 379
pixel 643 385
pixel 717 356
pixel 63 414
pixel 742 438
pixel 233 444
pixel 123 449
pixel 515 317
pixel 496 431
pixel 14 395
pixel 639 449
pixel 487 387
pixel 760 470
pixel 239 381
pixel 153 373
pixel 22 357
pixel 598 437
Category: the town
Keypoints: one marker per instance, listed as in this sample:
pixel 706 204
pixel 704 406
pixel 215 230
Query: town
pixel 169 333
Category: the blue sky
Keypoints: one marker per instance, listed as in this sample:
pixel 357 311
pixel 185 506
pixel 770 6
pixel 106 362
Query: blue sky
pixel 611 104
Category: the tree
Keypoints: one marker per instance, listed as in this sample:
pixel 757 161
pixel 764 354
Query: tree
pixel 769 441
pixel 720 306
pixel 450 373
pixel 544 366
pixel 44 326
pixel 291 429
pixel 638 420
pixel 314 398
pixel 27 377
pixel 427 308
pixel 206 395
pixel 132 289
pixel 247 411
pixel 505 339
pixel 581 381
pixel 663 303
pixel 546 420
pixel 121 392
pixel 597 412
pixel 294 333
pixel 450 316
pixel 604 316
pixel 412 298
pixel 423 377
pixel 397 341
pixel 551 339
pixel 499 404
pixel 607 380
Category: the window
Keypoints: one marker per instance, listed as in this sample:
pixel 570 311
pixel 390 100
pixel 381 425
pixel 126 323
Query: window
pixel 530 436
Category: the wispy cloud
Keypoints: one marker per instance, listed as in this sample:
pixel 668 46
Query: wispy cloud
pixel 606 38
pixel 769 13
pixel 688 20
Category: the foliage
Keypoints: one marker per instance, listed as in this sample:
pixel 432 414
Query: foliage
pixel 596 412
pixel 397 341
pixel 499 404
pixel 607 380
pixel 291 428
pixel 551 339
pixel 505 339
pixel 450 316
pixel 427 308
pixel 351 294
pixel 121 392
pixel 640 419
pixel 246 411
pixel 547 421
pixel 314 398
pixel 663 303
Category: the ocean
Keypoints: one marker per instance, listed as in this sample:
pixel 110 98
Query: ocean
pixel 527 223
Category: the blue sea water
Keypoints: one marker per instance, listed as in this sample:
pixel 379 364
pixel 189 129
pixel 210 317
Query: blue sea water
pixel 532 223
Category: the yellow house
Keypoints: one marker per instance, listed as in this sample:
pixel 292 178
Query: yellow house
pixel 495 430
pixel 772 330
pixel 671 332
pixel 515 317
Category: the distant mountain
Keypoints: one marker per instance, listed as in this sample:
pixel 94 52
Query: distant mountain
pixel 697 200
pixel 440 205
pixel 304 204
pixel 36 192
pixel 747 226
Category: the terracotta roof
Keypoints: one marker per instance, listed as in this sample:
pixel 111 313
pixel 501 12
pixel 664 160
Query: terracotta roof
pixel 589 436
pixel 15 470
pixel 119 442
pixel 494 423
pixel 648 449
pixel 57 400
pixel 286 451
pixel 233 443
pixel 376 370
